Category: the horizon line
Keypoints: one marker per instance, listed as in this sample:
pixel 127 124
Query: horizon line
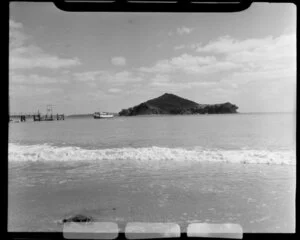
pixel 190 114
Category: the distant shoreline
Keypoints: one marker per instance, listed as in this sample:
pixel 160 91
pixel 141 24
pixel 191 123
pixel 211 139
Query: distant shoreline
pixel 153 115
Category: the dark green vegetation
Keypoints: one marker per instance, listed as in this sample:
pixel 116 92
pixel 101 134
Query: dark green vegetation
pixel 172 104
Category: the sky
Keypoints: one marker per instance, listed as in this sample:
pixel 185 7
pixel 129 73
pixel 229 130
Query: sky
pixel 88 62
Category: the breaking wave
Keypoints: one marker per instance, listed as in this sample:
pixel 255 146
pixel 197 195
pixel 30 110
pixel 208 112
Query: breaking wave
pixel 19 153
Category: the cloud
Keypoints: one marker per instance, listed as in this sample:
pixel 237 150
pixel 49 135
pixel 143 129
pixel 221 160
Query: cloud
pixel 267 71
pixel 277 49
pixel 179 47
pixel 274 58
pixel 117 78
pixel 231 66
pixel 26 56
pixel 270 75
pixel 100 95
pixel 227 44
pixel 255 59
pixel 184 30
pixel 190 64
pixel 159 80
pixel 118 61
pixel 114 90
pixel 162 66
pixel 34 57
pixel 16 35
pixel 89 76
pixel 169 86
pixel 192 46
pixel 31 92
pixel 34 79
pixel 124 77
pixel 181 31
pixel 164 82
pixel 269 44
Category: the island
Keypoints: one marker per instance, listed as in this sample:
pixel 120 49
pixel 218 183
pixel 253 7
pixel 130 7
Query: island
pixel 171 104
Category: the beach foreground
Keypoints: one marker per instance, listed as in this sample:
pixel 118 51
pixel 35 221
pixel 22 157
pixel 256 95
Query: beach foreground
pixel 259 197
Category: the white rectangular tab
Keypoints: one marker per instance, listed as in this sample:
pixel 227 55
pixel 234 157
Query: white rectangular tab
pixel 142 230
pixel 90 230
pixel 227 230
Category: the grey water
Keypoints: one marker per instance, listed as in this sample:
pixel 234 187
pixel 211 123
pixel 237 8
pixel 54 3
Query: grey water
pixel 237 168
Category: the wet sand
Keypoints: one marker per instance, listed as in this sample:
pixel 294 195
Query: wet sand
pixel 261 198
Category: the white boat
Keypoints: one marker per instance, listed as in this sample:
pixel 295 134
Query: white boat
pixel 98 115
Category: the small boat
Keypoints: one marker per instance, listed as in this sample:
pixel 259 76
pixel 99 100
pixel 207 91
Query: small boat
pixel 98 115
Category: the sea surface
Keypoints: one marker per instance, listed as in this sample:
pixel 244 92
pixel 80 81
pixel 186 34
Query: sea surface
pixel 229 168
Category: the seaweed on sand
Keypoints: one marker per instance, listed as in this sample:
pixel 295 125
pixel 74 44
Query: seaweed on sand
pixel 78 218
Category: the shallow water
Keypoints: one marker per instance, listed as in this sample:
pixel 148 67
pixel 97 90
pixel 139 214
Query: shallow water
pixel 226 131
pixel 179 169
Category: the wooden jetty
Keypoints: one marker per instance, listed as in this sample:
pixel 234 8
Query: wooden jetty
pixel 49 116
pixel 39 117
pixel 36 117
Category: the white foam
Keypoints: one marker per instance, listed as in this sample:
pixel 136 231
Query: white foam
pixel 149 154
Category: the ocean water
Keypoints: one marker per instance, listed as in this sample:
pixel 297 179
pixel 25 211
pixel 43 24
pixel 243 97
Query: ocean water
pixel 231 168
